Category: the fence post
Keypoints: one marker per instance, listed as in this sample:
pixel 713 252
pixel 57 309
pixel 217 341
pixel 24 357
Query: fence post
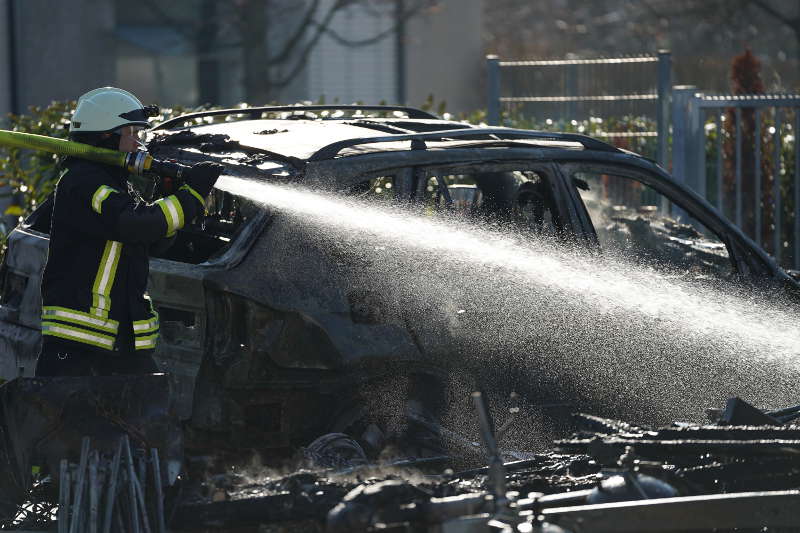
pixel 697 137
pixel 681 152
pixel 571 90
pixel 797 189
pixel 493 90
pixel 682 145
pixel 777 204
pixel 664 97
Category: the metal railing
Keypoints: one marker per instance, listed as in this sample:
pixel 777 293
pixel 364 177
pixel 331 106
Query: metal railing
pixel 755 141
pixel 579 88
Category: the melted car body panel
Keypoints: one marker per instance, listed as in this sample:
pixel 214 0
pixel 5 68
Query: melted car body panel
pixel 265 326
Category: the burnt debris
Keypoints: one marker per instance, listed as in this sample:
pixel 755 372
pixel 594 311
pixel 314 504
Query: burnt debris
pixel 609 476
pixel 693 477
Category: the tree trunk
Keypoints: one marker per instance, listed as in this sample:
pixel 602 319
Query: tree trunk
pixel 254 43
pixel 207 62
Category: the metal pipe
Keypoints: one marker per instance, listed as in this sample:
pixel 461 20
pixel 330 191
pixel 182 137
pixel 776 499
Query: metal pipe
pixel 751 101
pixel 94 491
pixel 572 91
pixel 718 122
pixel 497 477
pixel 126 447
pixel 757 186
pixel 120 524
pixel 444 191
pixel 561 62
pixel 160 523
pixel 493 90
pixel 662 113
pixel 680 137
pixel 112 488
pixel 783 412
pixel 77 505
pixel 797 188
pixel 739 167
pixel 612 98
pixel 777 204
pixel 63 497
pixel 141 469
pixel 706 512
pixel 563 499
pixel 142 506
pixel 700 122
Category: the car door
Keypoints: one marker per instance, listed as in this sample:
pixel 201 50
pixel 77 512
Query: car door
pixel 21 299
pixel 642 216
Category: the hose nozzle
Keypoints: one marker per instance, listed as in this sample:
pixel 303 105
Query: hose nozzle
pixel 142 163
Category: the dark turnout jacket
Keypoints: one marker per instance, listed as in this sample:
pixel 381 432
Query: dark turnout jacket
pixel 94 283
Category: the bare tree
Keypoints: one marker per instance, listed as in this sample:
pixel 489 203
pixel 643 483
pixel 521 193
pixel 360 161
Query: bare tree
pixel 785 12
pixel 703 35
pixel 272 59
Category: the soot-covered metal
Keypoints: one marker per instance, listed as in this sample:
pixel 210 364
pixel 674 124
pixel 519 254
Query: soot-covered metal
pixel 273 341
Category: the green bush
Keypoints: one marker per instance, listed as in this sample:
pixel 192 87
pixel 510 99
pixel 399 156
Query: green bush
pixel 605 129
pixel 28 174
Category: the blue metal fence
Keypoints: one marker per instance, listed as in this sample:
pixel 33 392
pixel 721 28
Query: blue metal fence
pixel 739 152
pixel 749 143
pixel 571 89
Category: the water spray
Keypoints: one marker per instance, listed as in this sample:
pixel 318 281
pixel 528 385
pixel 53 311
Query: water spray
pixel 526 313
pixel 139 163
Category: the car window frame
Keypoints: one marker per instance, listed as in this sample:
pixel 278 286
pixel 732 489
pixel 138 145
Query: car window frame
pixel 716 226
pixel 567 212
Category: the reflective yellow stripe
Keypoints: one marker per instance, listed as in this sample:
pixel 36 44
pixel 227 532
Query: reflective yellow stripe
pixel 194 193
pixel 78 335
pixel 173 212
pixel 104 280
pixel 141 327
pixel 14 210
pixel 79 318
pixel 99 197
pixel 145 343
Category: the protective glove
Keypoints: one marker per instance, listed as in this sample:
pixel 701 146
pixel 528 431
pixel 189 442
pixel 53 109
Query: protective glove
pixel 202 176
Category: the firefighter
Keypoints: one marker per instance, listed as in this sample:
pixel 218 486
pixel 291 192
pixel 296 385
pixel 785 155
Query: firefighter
pixel 96 316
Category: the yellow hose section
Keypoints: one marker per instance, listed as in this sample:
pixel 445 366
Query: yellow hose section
pixel 15 139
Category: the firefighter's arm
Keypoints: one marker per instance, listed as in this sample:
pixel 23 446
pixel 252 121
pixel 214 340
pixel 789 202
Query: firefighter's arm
pixel 116 217
pixel 149 225
pixel 160 247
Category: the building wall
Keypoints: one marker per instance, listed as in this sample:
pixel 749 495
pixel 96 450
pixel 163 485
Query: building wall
pixel 65 48
pixel 68 47
pixel 5 81
pixel 348 74
pixel 442 47
pixel 163 79
pixel 445 57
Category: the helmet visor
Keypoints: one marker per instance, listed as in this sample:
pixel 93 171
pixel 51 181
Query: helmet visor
pixel 140 115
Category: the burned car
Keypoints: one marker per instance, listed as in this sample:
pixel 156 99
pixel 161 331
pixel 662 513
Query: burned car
pixel 269 347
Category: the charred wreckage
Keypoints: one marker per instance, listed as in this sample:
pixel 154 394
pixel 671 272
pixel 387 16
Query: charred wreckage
pixel 263 350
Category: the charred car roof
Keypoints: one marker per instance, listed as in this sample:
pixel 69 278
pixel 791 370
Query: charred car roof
pixel 272 137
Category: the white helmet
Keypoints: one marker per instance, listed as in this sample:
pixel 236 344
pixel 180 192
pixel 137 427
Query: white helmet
pixel 106 109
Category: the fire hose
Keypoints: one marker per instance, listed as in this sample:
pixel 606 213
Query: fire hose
pixel 139 163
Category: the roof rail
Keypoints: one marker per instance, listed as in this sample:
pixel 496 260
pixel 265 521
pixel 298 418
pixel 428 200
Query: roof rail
pixel 332 150
pixel 256 112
